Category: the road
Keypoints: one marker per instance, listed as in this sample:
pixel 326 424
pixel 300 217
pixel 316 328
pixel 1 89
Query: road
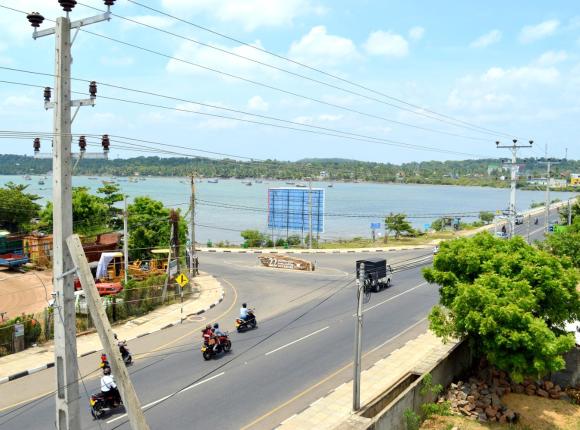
pixel 301 349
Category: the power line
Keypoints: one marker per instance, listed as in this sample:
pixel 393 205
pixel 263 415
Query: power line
pixel 441 117
pixel 257 48
pixel 326 131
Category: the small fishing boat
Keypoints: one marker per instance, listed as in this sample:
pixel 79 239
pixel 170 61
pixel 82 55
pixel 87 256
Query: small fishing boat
pixel 212 181
pixel 41 182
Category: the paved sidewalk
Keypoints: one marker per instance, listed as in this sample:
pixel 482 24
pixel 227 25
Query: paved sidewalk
pixel 313 251
pixel 38 358
pixel 418 356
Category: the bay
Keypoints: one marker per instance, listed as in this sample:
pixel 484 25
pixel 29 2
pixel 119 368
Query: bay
pixel 225 208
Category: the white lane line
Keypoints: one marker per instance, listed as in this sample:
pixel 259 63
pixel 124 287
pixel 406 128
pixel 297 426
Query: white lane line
pixel 201 382
pixel 297 340
pixel 148 405
pixel 392 298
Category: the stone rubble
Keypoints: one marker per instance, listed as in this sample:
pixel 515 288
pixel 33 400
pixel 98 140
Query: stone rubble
pixel 479 398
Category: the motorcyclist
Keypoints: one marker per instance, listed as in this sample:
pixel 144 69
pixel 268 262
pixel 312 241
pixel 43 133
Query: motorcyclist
pixel 216 330
pixel 122 344
pixel 536 221
pixel 207 333
pixel 246 314
pixel 109 387
pixel 503 230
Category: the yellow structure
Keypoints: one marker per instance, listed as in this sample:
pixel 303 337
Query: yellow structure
pixel 38 248
pixel 575 179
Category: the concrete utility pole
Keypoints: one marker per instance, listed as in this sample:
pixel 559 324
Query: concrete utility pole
pixel 514 177
pixel 67 392
pixel 569 212
pixel 174 217
pixel 358 339
pixel 548 163
pixel 192 251
pixel 95 305
pixel 126 238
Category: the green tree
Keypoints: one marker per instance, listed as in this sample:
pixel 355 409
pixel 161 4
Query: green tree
pixel 18 208
pixel 486 216
pixel 565 243
pixel 398 224
pixel 575 209
pixel 509 299
pixel 111 195
pixel 253 238
pixel 149 227
pixel 90 213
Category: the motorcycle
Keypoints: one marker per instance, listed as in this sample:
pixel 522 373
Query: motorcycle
pixel 125 354
pixel 101 403
pixel 212 347
pixel 250 323
pixel 536 221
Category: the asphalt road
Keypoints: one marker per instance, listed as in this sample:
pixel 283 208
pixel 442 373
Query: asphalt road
pixel 301 349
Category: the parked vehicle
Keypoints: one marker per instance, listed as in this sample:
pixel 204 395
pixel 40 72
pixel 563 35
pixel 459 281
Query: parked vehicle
pixel 211 347
pixel 378 274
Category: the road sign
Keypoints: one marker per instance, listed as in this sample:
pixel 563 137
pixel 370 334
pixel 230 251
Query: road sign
pixel 18 330
pixel 426 227
pixel 182 279
pixel 375 225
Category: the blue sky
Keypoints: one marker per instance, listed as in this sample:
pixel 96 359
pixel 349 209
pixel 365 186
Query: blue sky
pixel 513 67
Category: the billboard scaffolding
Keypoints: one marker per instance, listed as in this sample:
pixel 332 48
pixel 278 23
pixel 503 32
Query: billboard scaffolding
pixel 291 209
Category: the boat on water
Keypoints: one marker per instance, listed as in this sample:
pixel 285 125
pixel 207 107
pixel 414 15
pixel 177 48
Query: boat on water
pixel 248 184
pixel 27 177
pixel 93 179
pixel 108 182
pixel 257 182
pixel 41 182
pixel 301 185
pixel 212 181
pixel 290 183
pixel 330 185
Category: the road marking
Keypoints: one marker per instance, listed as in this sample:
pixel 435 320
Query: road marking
pixel 198 327
pixel 140 356
pixel 148 405
pixel 392 298
pixel 297 340
pixel 322 381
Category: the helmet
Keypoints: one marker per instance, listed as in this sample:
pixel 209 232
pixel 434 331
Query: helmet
pixel 244 305
pixel 216 325
pixel 208 326
pixel 107 371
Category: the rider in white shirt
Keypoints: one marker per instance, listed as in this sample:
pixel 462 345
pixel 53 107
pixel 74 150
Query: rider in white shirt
pixel 108 384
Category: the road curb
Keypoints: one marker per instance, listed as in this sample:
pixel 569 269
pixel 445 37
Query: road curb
pixel 37 369
pixel 309 251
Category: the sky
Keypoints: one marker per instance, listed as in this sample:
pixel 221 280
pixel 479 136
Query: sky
pixel 496 71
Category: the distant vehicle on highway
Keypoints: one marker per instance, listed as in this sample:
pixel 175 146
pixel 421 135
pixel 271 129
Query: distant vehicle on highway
pixel 519 219
pixel 435 249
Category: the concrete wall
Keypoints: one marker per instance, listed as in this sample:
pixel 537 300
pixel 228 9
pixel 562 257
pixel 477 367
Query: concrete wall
pixel 571 375
pixel 392 417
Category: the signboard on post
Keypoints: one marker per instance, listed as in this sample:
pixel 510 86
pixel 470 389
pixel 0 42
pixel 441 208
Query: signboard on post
pixel 18 330
pixel 172 268
pixel 375 225
pixel 182 280
pixel 293 208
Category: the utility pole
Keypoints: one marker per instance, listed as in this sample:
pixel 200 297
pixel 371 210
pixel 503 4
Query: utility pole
pixel 358 339
pixel 310 213
pixel 95 305
pixel 514 177
pixel 67 392
pixel 126 238
pixel 174 216
pixel 192 251
pixel 548 163
pixel 569 212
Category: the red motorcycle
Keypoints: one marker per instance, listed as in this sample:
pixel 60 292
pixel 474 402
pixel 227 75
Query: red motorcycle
pixel 214 345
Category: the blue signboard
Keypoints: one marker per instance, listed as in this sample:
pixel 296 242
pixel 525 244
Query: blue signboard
pixel 291 209
pixel 375 225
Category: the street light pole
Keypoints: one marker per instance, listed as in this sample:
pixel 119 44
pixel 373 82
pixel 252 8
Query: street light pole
pixel 358 339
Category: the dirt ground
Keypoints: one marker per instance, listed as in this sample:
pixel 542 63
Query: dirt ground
pixel 536 413
pixel 24 292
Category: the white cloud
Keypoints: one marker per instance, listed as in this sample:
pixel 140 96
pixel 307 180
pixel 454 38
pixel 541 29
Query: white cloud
pixel 550 58
pixel 150 20
pixel 531 33
pixel 320 48
pixel 329 117
pixel 17 27
pixel 325 117
pixel 416 33
pixel 251 14
pixel 19 101
pixel 258 103
pixel 387 44
pixel 486 39
pixel 209 57
pixel 500 89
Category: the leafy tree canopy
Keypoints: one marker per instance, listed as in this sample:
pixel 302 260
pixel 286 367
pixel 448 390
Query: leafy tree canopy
pixel 111 195
pixel 149 227
pixel 565 243
pixel 398 224
pixel 17 208
pixel 509 299
pixel 90 213
pixel 486 216
pixel 253 238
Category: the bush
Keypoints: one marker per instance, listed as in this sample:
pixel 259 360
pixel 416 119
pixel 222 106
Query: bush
pixel 253 238
pixel 294 240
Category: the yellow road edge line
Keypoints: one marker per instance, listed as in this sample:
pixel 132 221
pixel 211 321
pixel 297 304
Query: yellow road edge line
pixel 142 356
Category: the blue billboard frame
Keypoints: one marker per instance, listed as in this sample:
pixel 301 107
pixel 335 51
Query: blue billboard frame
pixel 289 209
